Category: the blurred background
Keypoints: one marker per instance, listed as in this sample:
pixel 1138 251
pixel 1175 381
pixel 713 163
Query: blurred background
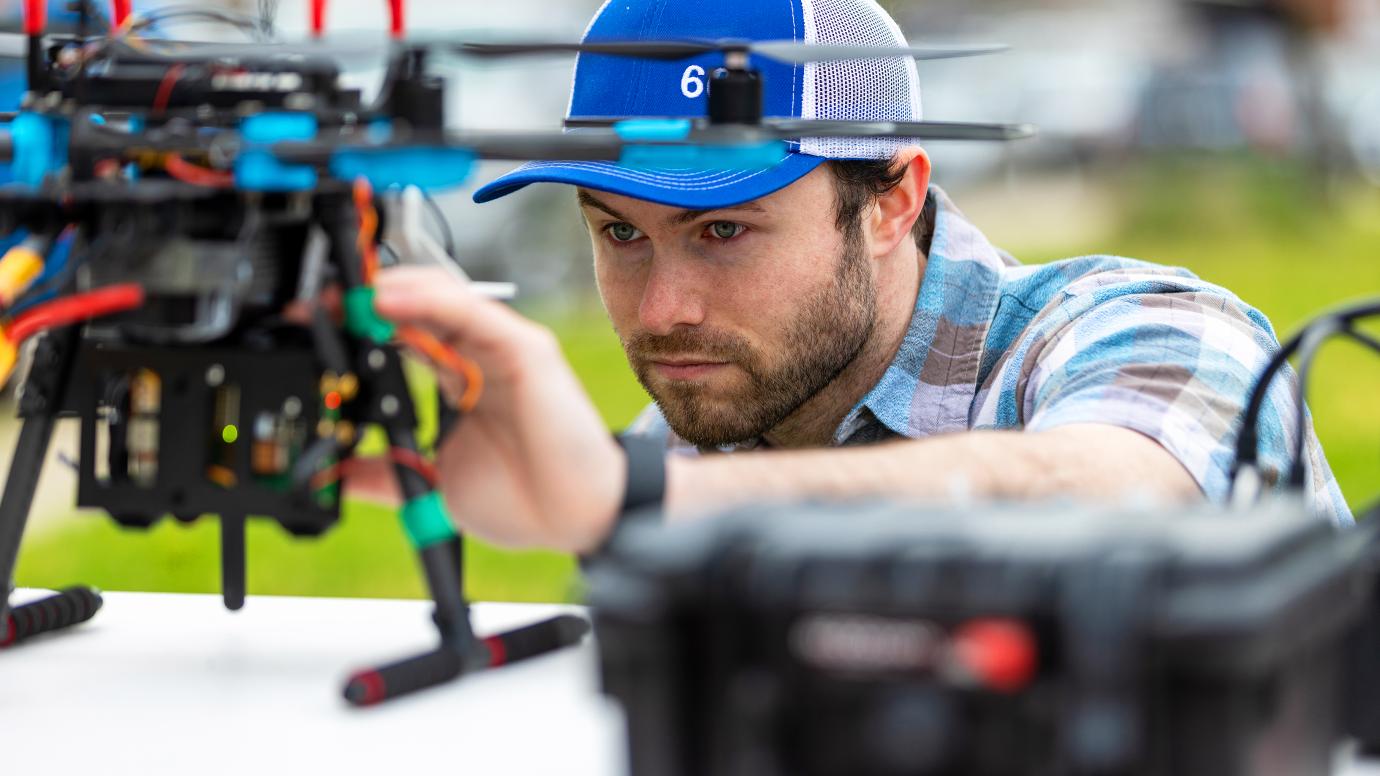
pixel 1238 138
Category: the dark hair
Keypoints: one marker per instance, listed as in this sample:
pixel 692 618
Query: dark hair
pixel 858 183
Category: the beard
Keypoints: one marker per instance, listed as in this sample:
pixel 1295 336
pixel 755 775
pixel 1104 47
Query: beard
pixel 826 334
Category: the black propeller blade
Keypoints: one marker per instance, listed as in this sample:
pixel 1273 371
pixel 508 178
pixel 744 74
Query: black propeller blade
pixel 793 129
pixel 788 51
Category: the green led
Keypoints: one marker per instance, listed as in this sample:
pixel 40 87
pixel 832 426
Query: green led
pixel 229 434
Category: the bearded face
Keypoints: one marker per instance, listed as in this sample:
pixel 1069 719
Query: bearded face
pixel 754 384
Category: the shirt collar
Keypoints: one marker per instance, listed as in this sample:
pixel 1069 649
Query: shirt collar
pixel 929 386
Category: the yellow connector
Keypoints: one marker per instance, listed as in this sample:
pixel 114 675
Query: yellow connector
pixel 18 269
pixel 9 354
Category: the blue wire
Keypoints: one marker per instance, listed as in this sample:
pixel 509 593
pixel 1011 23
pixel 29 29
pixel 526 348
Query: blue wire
pixel 58 258
pixel 12 239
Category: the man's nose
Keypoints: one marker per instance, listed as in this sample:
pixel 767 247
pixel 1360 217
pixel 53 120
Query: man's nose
pixel 672 297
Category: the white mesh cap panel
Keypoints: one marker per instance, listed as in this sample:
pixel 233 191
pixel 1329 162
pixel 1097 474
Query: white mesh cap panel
pixel 861 89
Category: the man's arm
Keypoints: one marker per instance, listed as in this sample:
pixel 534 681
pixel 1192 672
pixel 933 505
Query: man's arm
pixel 1085 462
pixel 533 465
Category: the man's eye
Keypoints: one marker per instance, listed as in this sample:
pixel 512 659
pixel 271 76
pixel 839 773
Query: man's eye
pixel 624 232
pixel 726 230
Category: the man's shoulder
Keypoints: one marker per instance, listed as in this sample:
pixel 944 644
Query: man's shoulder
pixel 1098 276
pixel 1039 302
pixel 1068 289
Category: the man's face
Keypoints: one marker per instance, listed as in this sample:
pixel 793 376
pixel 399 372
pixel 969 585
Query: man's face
pixel 733 318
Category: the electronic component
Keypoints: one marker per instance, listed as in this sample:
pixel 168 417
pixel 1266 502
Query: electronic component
pixel 875 639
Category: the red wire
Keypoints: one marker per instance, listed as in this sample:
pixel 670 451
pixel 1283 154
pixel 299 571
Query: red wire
pixel 75 309
pixel 398 455
pixel 187 172
pixel 395 18
pixel 120 12
pixel 35 16
pixel 165 87
pixel 318 18
pixel 414 461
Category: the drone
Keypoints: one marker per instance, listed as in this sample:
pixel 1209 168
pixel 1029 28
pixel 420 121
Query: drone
pixel 173 199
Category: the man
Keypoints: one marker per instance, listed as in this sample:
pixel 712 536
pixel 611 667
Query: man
pixel 840 318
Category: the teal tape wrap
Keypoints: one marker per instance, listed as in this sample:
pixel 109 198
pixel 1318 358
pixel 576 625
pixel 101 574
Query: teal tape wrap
pixel 257 169
pixel 648 130
pixel 427 168
pixel 362 320
pixel 756 156
pixel 426 522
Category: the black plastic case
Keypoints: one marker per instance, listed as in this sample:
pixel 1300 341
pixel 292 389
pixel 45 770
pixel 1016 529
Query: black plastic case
pixel 830 639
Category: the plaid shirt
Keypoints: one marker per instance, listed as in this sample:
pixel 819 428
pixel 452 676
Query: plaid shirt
pixel 994 344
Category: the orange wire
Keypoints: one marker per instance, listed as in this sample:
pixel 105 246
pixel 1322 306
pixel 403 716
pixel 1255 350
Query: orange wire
pixel 187 172
pixel 419 339
pixel 426 343
pixel 368 228
pixel 165 87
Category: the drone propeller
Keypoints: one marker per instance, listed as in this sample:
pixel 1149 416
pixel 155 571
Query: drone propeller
pixel 435 160
pixel 794 129
pixel 788 51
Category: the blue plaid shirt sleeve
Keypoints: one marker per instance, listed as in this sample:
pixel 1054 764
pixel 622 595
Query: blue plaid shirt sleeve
pixel 1176 364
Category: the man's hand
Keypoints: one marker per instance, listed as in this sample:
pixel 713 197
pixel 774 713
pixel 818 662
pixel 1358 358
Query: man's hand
pixel 533 463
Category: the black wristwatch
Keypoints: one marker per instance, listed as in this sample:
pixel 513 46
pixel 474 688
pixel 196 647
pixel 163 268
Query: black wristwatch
pixel 646 485
pixel 645 489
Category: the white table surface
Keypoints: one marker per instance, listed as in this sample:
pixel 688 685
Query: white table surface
pixel 160 683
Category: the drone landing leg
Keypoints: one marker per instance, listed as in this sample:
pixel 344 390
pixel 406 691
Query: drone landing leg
pixel 38 407
pixel 441 551
pixel 232 586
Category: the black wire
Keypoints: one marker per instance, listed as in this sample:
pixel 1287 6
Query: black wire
pixel 35 296
pixel 447 236
pixel 1296 467
pixel 1248 439
pixel 1364 339
pixel 244 22
pixel 1308 352
pixel 387 247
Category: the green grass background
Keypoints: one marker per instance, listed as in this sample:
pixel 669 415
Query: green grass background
pixel 1265 230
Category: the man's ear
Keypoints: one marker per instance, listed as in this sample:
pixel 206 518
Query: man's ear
pixel 897 210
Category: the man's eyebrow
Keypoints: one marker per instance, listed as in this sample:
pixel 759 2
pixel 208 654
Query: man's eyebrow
pixel 683 217
pixel 589 200
pixel 686 216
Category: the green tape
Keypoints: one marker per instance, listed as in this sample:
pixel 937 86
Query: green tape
pixel 360 318
pixel 426 522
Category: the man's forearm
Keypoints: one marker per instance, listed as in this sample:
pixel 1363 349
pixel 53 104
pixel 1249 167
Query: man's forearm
pixel 1091 463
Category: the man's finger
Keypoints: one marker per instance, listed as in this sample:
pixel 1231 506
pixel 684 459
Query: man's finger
pixel 432 298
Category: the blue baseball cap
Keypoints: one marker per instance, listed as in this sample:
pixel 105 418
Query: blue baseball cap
pixel 624 87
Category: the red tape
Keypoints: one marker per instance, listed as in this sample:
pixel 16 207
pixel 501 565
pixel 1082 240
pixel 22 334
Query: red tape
pixel 374 688
pixel 498 651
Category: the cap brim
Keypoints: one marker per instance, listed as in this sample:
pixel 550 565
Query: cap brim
pixel 690 189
